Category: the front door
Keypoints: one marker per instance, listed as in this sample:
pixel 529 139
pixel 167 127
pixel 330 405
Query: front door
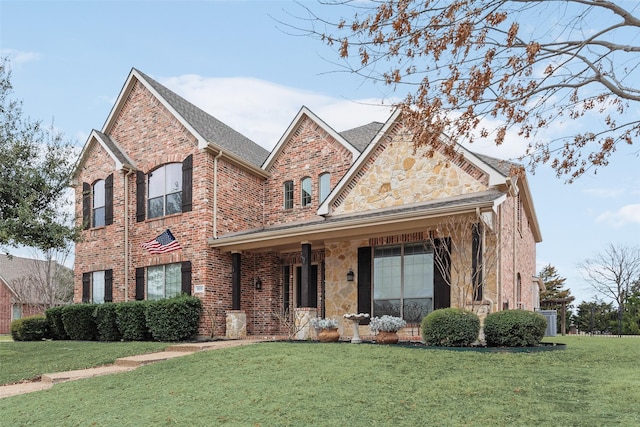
pixel 313 286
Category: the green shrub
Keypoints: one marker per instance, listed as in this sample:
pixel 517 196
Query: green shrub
pixel 450 327
pixel 174 319
pixel 33 328
pixel 107 327
pixel 131 321
pixel 56 325
pixel 79 323
pixel 514 328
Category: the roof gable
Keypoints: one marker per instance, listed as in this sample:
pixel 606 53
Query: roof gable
pixel 120 159
pixel 289 133
pixel 389 135
pixel 361 136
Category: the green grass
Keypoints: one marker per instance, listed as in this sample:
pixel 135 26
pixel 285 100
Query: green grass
pixel 28 359
pixel 592 383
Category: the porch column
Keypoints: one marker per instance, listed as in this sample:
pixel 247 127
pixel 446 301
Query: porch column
pixel 305 276
pixel 236 262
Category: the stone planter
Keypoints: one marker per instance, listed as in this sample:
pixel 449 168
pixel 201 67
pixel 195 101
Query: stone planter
pixel 387 337
pixel 329 335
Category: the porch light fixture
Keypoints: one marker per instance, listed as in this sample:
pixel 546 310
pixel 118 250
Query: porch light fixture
pixel 350 276
pixel 258 283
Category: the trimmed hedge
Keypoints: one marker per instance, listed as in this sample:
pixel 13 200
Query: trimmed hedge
pixel 514 328
pixel 131 321
pixel 174 319
pixel 450 327
pixel 107 327
pixel 56 325
pixel 79 322
pixel 35 328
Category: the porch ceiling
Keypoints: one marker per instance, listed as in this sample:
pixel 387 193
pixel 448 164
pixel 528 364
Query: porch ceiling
pixel 351 227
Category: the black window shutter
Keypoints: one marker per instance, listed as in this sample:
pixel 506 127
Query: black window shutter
pixel 140 196
pixel 441 287
pixel 86 205
pixel 108 200
pixel 86 287
pixel 186 277
pixel 187 183
pixel 476 261
pixel 108 286
pixel 364 281
pixel 139 284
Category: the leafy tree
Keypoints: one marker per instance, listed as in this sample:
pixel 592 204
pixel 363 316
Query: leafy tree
pixel 35 169
pixel 553 293
pixel 596 317
pixel 480 68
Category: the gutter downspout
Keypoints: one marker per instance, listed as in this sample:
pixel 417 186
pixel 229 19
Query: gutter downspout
pixel 126 234
pixel 215 194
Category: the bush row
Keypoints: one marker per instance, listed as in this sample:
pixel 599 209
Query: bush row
pixel 455 327
pixel 174 319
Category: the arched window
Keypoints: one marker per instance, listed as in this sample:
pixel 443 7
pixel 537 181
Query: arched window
pixel 305 194
pixel 98 204
pixel 165 190
pixel 288 195
pixel 324 186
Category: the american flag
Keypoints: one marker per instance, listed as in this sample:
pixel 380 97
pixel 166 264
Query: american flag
pixel 162 244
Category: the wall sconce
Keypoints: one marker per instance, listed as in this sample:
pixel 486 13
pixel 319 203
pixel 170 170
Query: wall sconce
pixel 350 276
pixel 258 283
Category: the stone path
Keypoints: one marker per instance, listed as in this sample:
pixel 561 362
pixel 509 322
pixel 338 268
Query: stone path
pixel 121 365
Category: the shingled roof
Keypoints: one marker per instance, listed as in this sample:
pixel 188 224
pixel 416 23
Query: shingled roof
pixel 210 128
pixel 502 166
pixel 361 136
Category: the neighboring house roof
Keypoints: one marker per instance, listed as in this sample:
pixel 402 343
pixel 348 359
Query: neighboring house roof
pixel 361 136
pixel 13 268
pixel 302 114
pixel 395 219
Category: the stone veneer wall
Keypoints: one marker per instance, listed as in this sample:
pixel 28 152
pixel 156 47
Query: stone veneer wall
pixel 396 177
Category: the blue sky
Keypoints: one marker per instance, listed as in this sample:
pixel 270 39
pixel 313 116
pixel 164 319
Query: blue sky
pixel 70 59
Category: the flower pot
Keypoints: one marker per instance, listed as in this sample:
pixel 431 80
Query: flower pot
pixel 387 337
pixel 329 335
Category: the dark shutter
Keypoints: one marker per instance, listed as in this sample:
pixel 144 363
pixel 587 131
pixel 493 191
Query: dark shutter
pixel 86 287
pixel 186 277
pixel 139 284
pixel 476 261
pixel 86 205
pixel 187 183
pixel 140 196
pixel 108 286
pixel 442 274
pixel 364 281
pixel 108 200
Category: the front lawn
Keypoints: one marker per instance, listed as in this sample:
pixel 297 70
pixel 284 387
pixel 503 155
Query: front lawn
pixel 592 383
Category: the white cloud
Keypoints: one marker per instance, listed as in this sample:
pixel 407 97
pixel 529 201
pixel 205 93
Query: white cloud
pixel 17 57
pixel 628 214
pixel 262 110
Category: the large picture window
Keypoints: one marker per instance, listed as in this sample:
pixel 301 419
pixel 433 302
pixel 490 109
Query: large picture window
pixel 403 281
pixel 165 190
pixel 164 281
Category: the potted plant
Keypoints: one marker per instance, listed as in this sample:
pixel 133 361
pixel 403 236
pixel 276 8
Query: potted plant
pixel 327 329
pixel 386 328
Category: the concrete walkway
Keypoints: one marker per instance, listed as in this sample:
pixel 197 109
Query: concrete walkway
pixel 121 365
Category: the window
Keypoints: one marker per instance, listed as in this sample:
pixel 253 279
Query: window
pixel 403 281
pixel 97 286
pixel 305 194
pixel 324 186
pixel 164 281
pixel 288 195
pixel 519 291
pixel 98 204
pixel 165 190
